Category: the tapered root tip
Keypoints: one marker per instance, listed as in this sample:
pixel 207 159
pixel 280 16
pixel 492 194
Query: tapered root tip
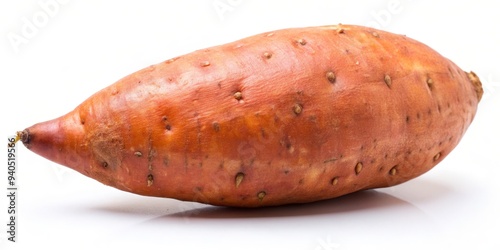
pixel 477 84
pixel 23 136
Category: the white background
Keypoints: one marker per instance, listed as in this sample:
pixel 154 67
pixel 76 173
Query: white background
pixel 64 53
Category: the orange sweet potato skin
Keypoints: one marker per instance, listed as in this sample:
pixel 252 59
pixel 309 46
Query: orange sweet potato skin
pixel 289 116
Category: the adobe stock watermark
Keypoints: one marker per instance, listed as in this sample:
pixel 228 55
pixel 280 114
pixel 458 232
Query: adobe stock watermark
pixel 12 190
pixel 382 18
pixel 59 172
pixel 490 85
pixel 327 243
pixel 223 7
pixel 31 26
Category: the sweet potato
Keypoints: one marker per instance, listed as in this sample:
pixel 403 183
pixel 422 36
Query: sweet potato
pixel 290 116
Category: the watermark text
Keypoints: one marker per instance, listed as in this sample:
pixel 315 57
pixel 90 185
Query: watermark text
pixel 31 26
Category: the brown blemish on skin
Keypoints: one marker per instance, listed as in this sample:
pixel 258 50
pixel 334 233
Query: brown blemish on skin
pixel 238 96
pixel 106 145
pixel 171 60
pixel 239 178
pixel 334 181
pixel 301 41
pixel 138 153
pixel 330 160
pixel 474 79
pixel 437 156
pixel 331 76
pixel 430 83
pixel 150 180
pixel 297 109
pixel 261 195
pixel 358 168
pixel 216 126
pixel 388 80
pixel 205 64
pixel 267 55
pixel 393 171
pixel 167 123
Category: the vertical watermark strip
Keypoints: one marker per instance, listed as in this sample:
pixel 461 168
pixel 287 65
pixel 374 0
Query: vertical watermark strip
pixel 12 189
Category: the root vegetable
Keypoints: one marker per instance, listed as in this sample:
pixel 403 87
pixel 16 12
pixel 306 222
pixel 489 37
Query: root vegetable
pixel 290 116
